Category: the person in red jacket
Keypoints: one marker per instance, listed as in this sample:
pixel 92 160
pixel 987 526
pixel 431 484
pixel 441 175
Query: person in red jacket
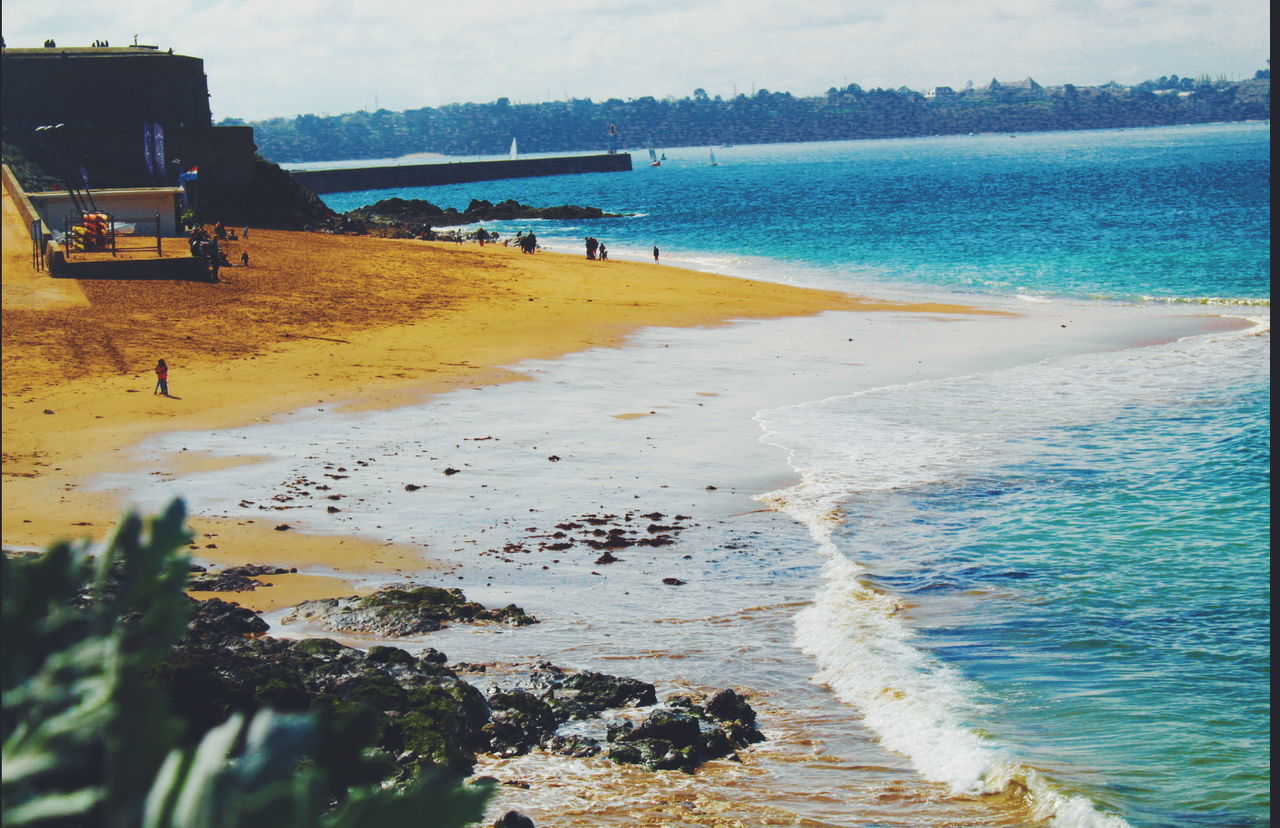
pixel 162 378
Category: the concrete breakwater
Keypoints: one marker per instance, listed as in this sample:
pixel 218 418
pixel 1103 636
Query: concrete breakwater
pixel 425 175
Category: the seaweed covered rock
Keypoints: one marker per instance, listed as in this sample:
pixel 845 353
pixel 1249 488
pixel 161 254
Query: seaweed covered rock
pixel 735 716
pixel 686 733
pixel 218 619
pixel 520 721
pixel 401 611
pixel 413 211
pixel 673 726
pixel 601 691
pixel 442 726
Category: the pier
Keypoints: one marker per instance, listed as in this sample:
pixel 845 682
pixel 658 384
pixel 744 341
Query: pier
pixel 427 175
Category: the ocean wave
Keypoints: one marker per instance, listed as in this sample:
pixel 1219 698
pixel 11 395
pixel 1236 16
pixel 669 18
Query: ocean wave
pixel 912 436
pixel 1209 300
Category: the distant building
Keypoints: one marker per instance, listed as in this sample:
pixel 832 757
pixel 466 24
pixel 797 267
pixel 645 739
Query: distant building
pixel 1025 89
pixel 939 92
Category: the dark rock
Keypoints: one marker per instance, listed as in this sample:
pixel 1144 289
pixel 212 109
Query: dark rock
pixel 655 754
pixel 433 656
pixel 255 570
pixel 222 582
pixel 442 724
pixel 715 744
pixel 399 611
pixel 680 729
pixel 323 648
pixel 520 721
pixel 513 819
pixel 577 746
pixel 568 709
pixel 617 731
pixel 742 734
pixel 606 558
pixel 390 655
pixel 630 754
pixel 673 582
pixel 729 706
pixel 215 620
pixel 600 691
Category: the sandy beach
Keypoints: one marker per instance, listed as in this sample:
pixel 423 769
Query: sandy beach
pixel 353 323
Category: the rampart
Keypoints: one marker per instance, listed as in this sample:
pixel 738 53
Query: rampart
pixel 426 175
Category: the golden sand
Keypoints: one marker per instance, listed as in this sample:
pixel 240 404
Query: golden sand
pixel 353 322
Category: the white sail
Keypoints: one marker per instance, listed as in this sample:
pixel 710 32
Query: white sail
pixel 513 149
pixel 712 155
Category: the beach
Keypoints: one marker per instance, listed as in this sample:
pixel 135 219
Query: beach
pixel 556 389
pixel 351 323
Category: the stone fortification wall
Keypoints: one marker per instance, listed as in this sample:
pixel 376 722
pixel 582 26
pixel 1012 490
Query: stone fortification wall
pixel 103 87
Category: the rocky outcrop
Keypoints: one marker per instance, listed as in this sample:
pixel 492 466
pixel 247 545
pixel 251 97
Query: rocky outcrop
pixel 414 214
pixel 394 612
pixel 683 734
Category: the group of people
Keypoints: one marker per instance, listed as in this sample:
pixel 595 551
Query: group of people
pixel 527 242
pixel 205 245
pixel 596 249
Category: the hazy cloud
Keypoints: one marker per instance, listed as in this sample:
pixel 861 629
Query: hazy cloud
pixel 286 57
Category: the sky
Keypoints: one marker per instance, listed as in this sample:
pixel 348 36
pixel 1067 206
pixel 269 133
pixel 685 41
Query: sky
pixel 280 58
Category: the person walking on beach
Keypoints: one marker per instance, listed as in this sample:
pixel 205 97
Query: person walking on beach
pixel 244 259
pixel 592 244
pixel 162 379
pixel 655 253
pixel 604 252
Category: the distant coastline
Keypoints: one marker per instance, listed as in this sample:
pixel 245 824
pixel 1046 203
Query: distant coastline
pixel 848 113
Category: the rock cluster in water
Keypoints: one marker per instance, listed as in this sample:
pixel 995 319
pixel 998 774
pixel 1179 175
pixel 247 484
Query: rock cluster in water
pixel 393 612
pixel 413 214
pixel 415 710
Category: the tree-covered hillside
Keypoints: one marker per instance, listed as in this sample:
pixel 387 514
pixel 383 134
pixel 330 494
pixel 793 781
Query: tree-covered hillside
pixel 765 117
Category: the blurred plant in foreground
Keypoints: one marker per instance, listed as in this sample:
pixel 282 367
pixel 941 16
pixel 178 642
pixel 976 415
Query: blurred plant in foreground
pixel 89 740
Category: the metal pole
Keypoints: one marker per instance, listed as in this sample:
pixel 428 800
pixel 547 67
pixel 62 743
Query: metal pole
pixel 159 250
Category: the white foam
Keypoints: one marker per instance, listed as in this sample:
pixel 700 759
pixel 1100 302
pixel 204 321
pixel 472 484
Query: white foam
pixel 934 431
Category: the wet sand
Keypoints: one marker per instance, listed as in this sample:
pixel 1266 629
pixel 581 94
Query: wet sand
pixel 351 323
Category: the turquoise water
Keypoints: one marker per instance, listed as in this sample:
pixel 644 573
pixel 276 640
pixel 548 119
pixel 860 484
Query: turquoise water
pixel 1081 544
pixel 1170 213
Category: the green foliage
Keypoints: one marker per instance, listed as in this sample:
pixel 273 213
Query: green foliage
pixel 88 739
pixel 763 117
pixel 30 175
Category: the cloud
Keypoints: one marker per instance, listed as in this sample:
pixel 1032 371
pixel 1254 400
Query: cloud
pixel 280 57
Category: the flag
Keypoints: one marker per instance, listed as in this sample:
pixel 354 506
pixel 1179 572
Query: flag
pixel 157 152
pixel 192 174
pixel 148 140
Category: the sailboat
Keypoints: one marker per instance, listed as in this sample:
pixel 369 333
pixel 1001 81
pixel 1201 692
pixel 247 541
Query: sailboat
pixel 513 149
pixel 711 153
pixel 653 156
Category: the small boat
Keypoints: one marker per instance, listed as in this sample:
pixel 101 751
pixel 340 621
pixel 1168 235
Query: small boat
pixel 653 156
pixel 513 149
pixel 711 162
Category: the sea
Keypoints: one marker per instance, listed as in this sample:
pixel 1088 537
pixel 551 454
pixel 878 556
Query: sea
pixel 971 570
